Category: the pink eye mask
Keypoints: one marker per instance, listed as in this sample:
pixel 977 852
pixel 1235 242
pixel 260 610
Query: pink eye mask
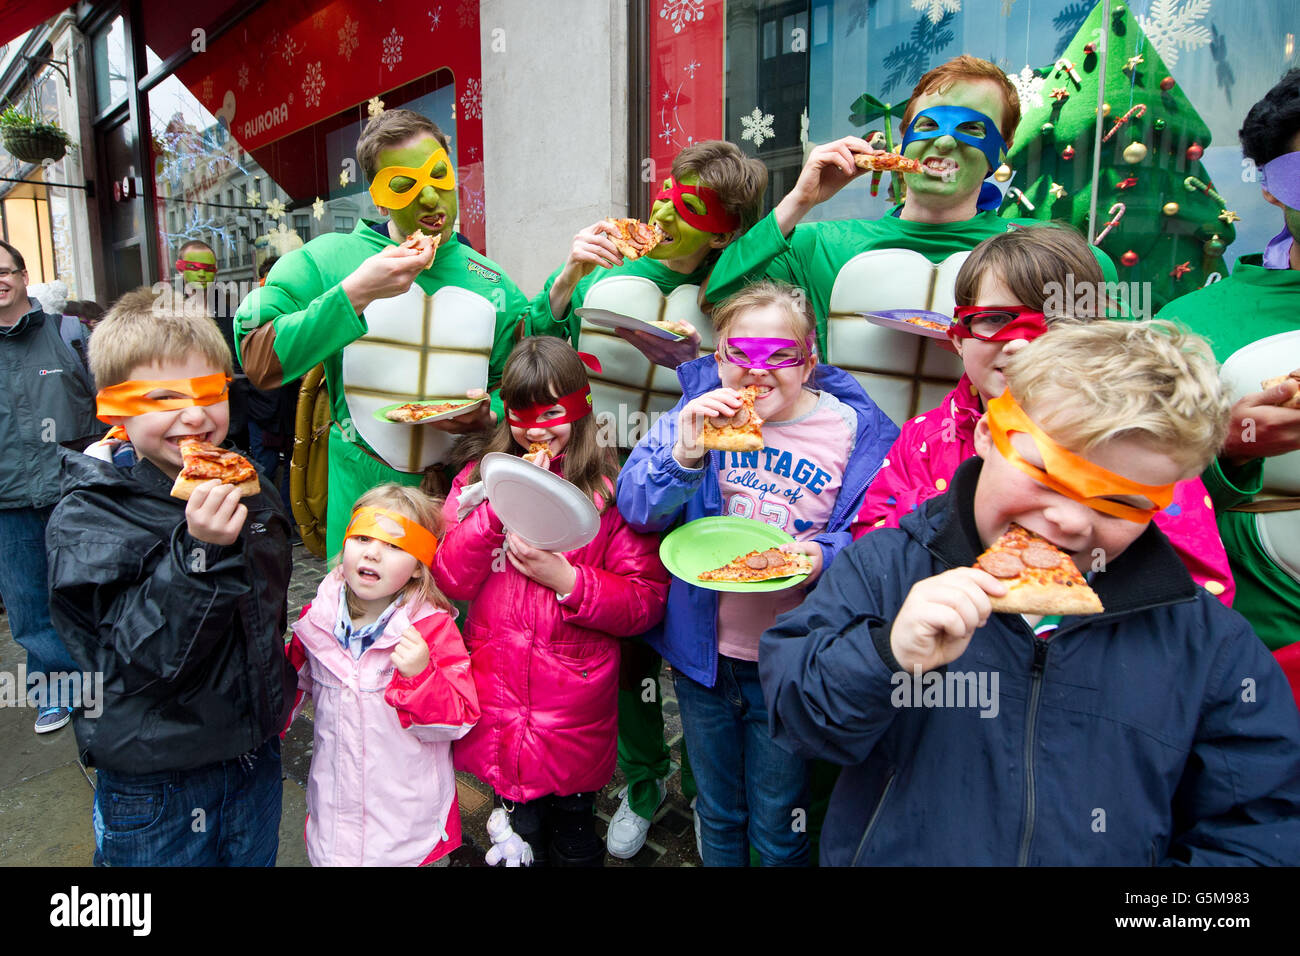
pixel 759 351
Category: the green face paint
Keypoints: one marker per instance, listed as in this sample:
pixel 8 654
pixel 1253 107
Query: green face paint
pixel 199 276
pixel 434 210
pixel 962 185
pixel 683 240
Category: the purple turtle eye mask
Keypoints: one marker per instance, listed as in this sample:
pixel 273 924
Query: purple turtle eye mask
pixel 757 353
pixel 1281 177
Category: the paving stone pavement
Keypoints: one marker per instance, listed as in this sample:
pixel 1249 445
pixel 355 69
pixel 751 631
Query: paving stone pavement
pixel 46 796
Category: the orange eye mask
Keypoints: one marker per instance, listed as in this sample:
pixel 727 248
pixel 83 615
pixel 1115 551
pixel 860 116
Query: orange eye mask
pixel 382 192
pixel 1065 472
pixel 130 398
pixel 389 526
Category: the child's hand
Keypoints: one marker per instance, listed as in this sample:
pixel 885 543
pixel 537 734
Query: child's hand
pixel 814 552
pixel 547 568
pixel 411 655
pixel 719 403
pixel 214 513
pixel 936 622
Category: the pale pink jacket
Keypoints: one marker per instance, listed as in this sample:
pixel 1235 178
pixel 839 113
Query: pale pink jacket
pixel 931 446
pixel 382 789
pixel 546 670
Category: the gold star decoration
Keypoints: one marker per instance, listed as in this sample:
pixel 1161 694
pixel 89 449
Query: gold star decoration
pixel 318 208
pixel 343 178
pixel 1229 217
pixel 254 197
pixel 1057 191
pixel 375 106
pixel 1131 63
pixel 1180 270
pixel 1060 93
pixel 275 209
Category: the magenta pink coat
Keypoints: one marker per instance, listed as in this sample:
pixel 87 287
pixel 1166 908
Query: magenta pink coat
pixel 932 445
pixel 546 670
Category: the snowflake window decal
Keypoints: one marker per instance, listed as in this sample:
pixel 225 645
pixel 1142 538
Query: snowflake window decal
pixel 757 127
pixel 243 77
pixel 313 82
pixel 275 209
pixel 392 50
pixel 1172 26
pixel 1029 86
pixel 935 9
pixel 471 99
pixel 348 41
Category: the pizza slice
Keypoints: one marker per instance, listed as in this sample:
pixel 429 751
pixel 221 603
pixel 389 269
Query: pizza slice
pixel 417 411
pixel 676 326
pixel 536 451
pixel 202 461
pixel 886 163
pixel 1040 577
pixel 422 242
pixel 760 566
pixel 743 431
pixel 1294 400
pixel 636 238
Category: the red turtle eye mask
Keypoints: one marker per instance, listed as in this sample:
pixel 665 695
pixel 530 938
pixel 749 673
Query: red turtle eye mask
pixel 997 323
pixel 576 404
pixel 715 218
pixel 188 265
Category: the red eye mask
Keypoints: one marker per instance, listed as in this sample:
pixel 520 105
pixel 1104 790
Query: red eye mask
pixel 576 405
pixel 715 219
pixel 185 265
pixel 1021 324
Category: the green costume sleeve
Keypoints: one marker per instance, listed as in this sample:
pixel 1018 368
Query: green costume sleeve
pixel 762 251
pixel 542 321
pixel 1230 485
pixel 308 322
pixel 514 310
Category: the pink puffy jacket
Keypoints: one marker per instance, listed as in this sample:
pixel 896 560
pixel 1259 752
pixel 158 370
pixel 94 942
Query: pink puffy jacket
pixel 546 670
pixel 931 446
pixel 382 790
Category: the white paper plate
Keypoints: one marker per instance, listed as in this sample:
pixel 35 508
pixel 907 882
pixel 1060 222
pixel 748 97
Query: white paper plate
pixel 613 320
pixel 542 508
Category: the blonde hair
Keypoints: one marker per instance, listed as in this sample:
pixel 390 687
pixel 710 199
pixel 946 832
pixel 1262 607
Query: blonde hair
pixel 1155 381
pixel 792 299
pixel 150 326
pixel 426 511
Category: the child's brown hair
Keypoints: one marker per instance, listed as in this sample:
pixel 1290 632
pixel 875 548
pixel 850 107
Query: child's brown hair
pixel 1035 264
pixel 543 368
pixel 739 180
pixel 426 511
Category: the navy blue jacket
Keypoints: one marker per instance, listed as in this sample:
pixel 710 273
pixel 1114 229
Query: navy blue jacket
pixel 1161 731
pixel 655 492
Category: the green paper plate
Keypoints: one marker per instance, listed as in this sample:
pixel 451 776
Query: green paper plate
pixel 381 414
pixel 709 543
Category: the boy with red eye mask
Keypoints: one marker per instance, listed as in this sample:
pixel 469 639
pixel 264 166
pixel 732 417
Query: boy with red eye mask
pixel 1138 709
pixel 1001 293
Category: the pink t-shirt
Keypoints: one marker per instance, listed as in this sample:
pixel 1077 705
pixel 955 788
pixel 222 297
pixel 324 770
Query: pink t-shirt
pixel 791 484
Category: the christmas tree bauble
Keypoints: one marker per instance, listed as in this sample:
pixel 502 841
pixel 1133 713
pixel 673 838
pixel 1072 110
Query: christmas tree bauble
pixel 1067 153
pixel 1195 152
pixel 1003 173
pixel 1105 109
pixel 1129 258
pixel 1135 153
pixel 1214 246
pixel 1167 84
pixel 1047 129
pixel 1159 124
pixel 1170 209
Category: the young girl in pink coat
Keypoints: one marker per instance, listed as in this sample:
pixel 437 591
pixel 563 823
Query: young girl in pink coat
pixel 1011 278
pixel 380 655
pixel 543 627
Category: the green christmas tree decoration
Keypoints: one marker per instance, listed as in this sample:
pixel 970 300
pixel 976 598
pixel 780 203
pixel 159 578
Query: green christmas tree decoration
pixel 1158 216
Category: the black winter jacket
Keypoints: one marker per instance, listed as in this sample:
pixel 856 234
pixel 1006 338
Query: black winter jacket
pixel 189 636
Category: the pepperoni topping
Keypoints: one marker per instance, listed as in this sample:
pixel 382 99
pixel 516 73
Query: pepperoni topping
pixel 775 557
pixel 740 418
pixel 757 562
pixel 1041 556
pixel 1000 564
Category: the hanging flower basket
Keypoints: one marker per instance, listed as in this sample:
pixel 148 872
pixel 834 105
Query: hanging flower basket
pixel 30 140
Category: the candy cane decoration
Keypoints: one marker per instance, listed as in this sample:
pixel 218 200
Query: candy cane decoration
pixel 1192 184
pixel 1020 197
pixel 1116 213
pixel 1064 64
pixel 1138 111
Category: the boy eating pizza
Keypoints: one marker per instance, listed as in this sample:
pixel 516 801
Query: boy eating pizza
pixel 179 604
pixel 1156 730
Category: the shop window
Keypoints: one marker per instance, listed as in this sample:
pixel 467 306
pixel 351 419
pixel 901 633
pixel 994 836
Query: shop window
pixel 108 59
pixel 343 224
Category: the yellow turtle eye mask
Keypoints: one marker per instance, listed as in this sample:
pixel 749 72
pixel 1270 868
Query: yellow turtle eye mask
pixel 131 398
pixel 1068 474
pixel 383 193
pixel 396 529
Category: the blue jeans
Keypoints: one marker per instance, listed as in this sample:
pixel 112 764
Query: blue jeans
pixel 751 792
pixel 223 814
pixel 24 586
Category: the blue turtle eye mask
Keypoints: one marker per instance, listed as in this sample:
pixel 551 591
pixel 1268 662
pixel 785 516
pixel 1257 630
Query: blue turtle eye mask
pixel 947 120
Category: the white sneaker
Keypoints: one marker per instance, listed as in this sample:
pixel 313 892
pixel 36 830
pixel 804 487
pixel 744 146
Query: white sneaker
pixel 628 829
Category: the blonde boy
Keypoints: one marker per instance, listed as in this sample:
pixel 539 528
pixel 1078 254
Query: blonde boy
pixel 1158 731
pixel 179 605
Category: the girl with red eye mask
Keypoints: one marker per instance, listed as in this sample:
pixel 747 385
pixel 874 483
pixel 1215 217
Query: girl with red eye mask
pixel 1002 292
